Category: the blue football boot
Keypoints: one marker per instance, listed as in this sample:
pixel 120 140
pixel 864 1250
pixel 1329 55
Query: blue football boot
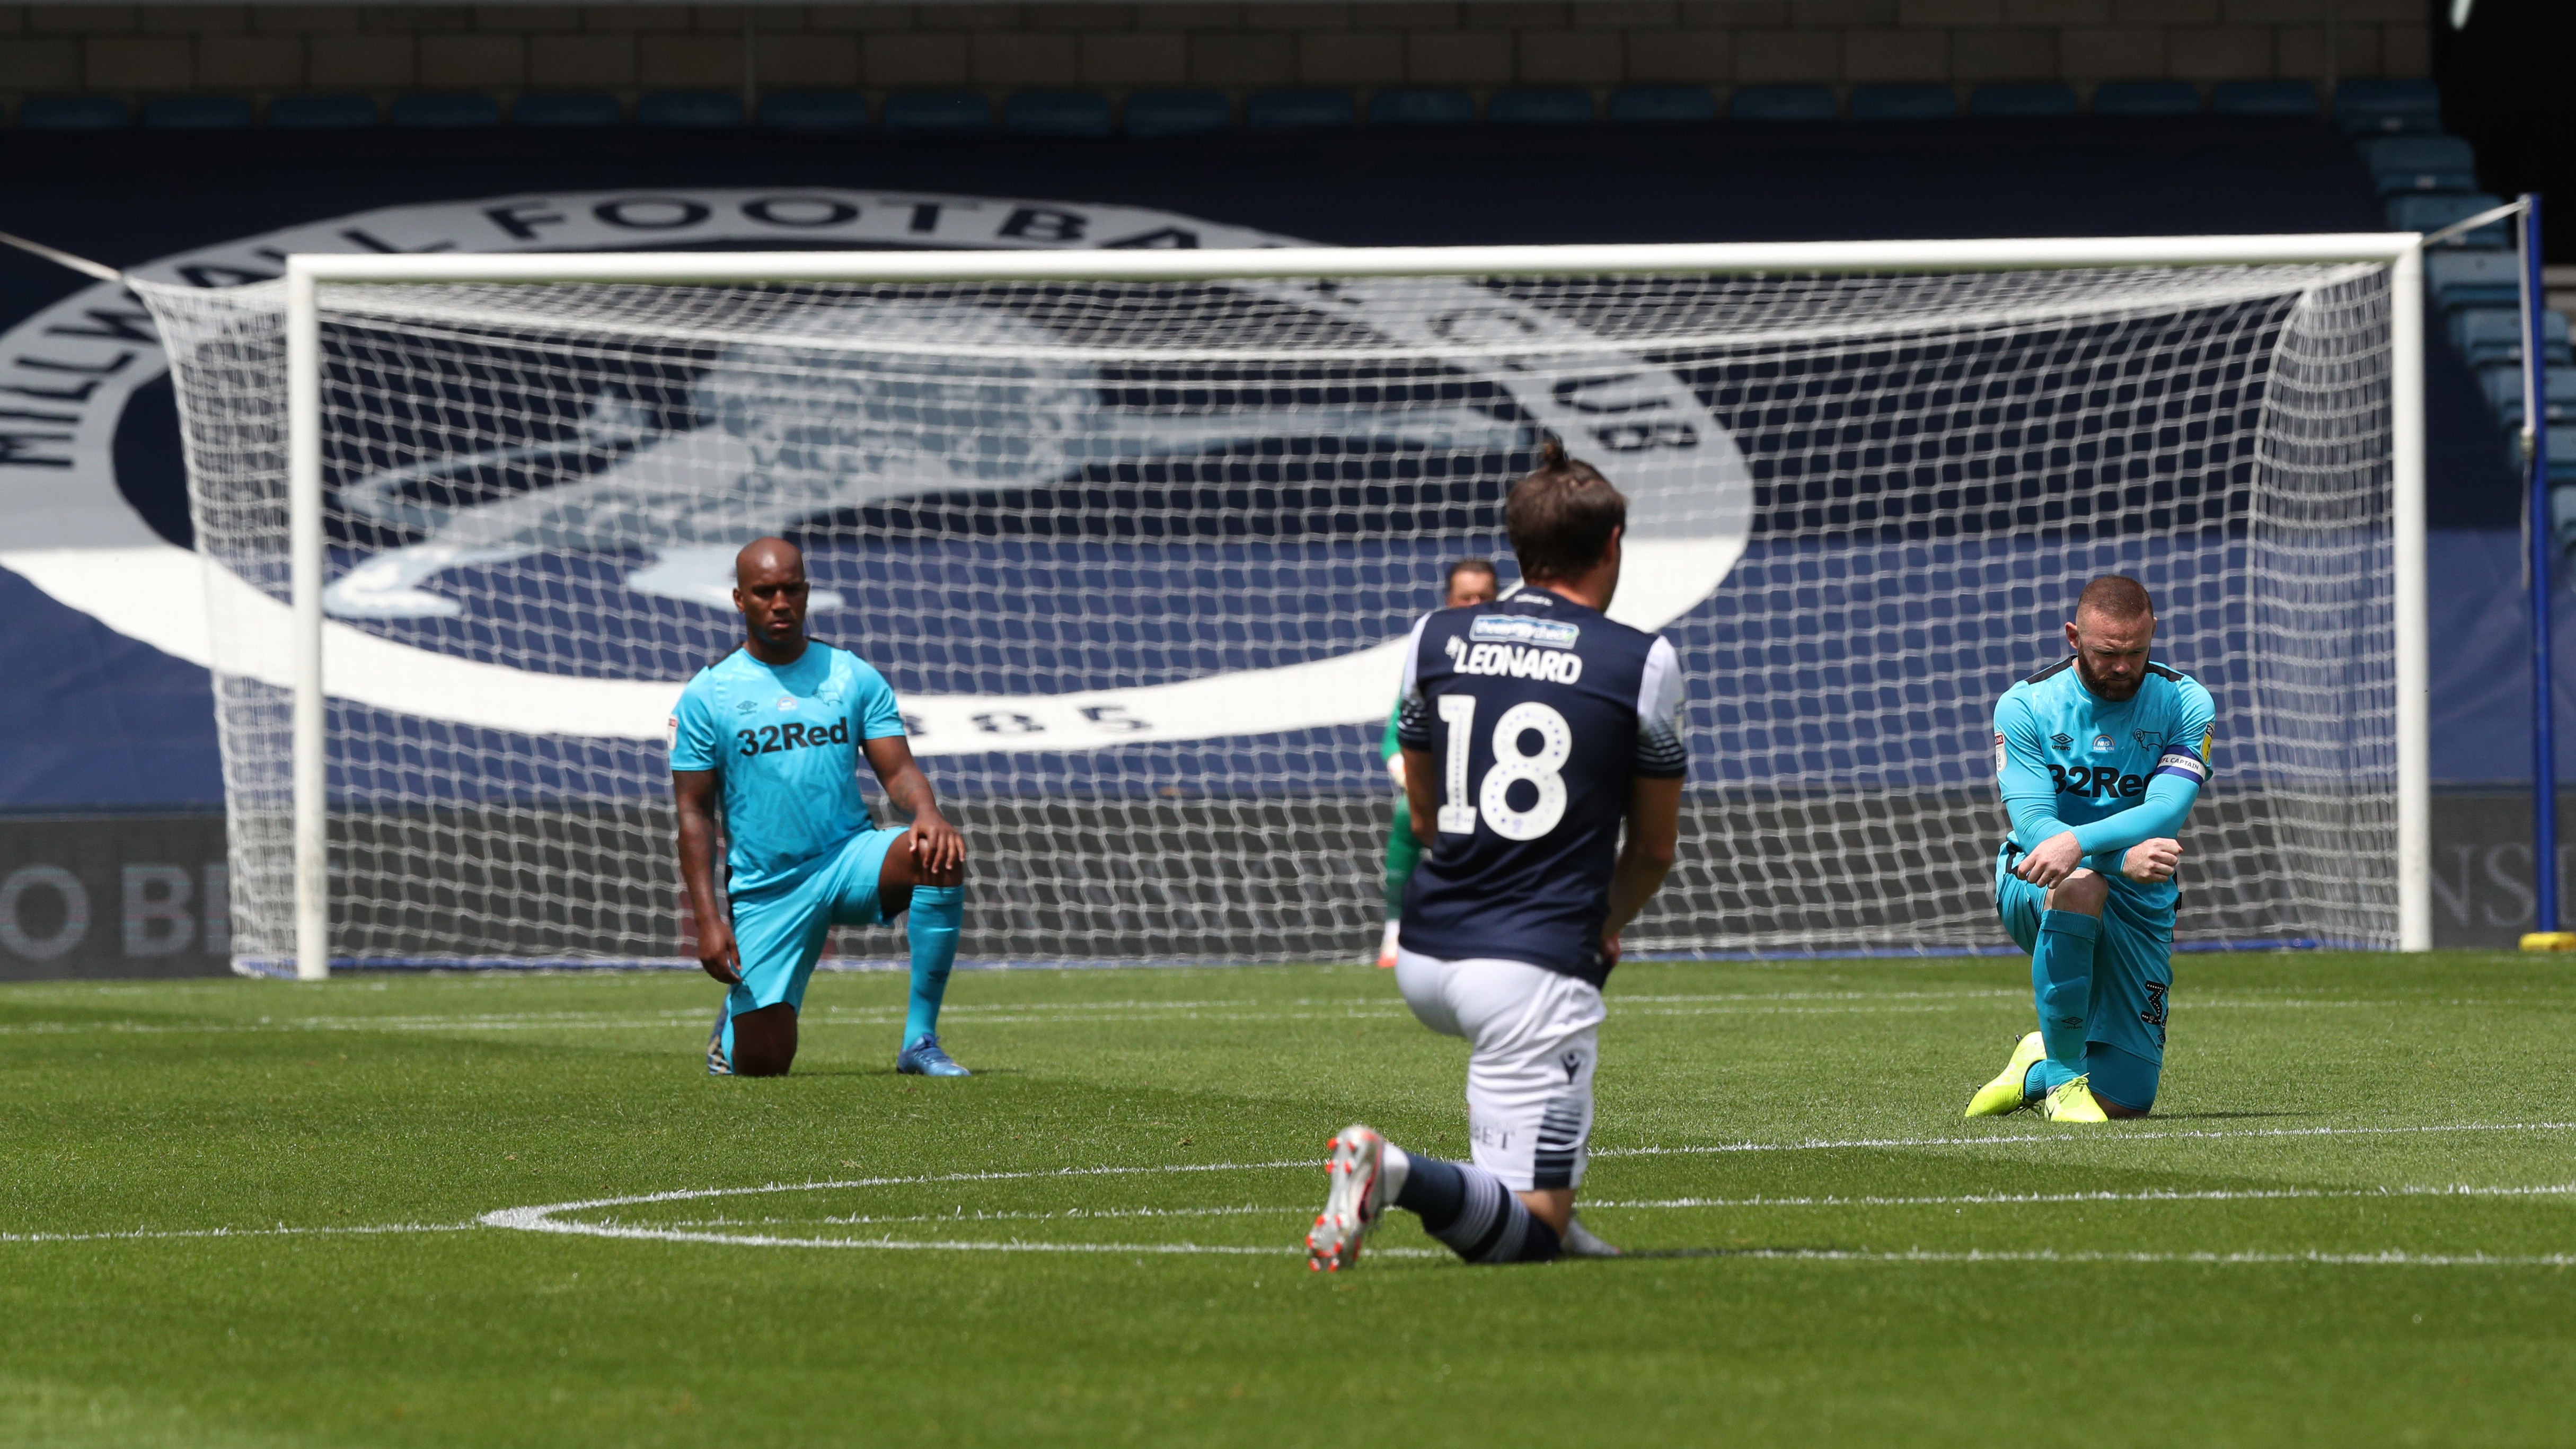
pixel 717 1064
pixel 924 1059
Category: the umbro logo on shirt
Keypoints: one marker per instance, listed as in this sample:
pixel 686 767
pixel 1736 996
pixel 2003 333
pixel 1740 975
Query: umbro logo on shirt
pixel 2061 741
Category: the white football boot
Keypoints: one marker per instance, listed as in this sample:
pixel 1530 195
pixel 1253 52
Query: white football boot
pixel 1578 1242
pixel 1353 1199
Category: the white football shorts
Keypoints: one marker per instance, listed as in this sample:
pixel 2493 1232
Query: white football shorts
pixel 1536 1035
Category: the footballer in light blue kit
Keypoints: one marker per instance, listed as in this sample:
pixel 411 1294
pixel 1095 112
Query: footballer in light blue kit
pixel 2098 758
pixel 774 732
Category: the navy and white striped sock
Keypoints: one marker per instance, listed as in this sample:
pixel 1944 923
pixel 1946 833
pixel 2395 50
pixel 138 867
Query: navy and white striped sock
pixel 1469 1209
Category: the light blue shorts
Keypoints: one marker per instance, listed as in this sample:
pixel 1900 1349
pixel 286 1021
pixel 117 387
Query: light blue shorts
pixel 780 930
pixel 2132 976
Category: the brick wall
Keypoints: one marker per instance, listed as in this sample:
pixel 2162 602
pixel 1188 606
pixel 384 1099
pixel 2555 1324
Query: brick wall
pixel 262 50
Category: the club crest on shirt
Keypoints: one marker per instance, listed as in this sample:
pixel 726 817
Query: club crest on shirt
pixel 2149 739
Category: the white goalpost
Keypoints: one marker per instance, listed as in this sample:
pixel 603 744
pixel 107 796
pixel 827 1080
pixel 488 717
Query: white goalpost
pixel 1135 534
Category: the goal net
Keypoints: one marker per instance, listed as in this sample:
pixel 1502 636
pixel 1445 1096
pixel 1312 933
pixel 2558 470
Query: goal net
pixel 1138 556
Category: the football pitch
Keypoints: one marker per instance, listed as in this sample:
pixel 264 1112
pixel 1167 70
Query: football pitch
pixel 492 1210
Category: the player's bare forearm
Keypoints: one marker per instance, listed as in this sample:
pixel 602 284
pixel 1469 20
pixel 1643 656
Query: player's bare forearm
pixel 937 846
pixel 1646 856
pixel 1420 796
pixel 693 792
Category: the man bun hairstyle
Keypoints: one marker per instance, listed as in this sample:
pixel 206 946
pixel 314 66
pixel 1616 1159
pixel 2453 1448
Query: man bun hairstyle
pixel 2117 598
pixel 1561 516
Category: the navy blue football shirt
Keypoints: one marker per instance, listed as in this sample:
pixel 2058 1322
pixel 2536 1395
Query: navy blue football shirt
pixel 1538 713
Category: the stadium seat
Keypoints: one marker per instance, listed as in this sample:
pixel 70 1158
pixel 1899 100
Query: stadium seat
pixel 2264 98
pixel 1178 113
pixel 2380 107
pixel 1782 103
pixel 74 113
pixel 2474 279
pixel 1541 108
pixel 2146 98
pixel 442 113
pixel 322 113
pixel 2430 213
pixel 1904 103
pixel 2488 335
pixel 954 113
pixel 1651 104
pixel 2030 100
pixel 815 111
pixel 1423 108
pixel 196 113
pixel 1059 113
pixel 689 110
pixel 2503 385
pixel 552 111
pixel 1300 111
pixel 2420 163
pixel 2562 454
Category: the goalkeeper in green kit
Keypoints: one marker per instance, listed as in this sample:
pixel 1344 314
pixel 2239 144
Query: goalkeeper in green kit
pixel 1470 581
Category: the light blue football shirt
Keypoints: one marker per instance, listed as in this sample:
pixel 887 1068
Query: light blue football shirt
pixel 2066 759
pixel 785 744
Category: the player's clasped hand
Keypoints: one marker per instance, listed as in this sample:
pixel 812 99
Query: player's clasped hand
pixel 2152 861
pixel 2056 858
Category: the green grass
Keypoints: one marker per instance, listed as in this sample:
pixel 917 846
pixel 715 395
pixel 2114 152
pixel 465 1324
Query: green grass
pixel 1823 1289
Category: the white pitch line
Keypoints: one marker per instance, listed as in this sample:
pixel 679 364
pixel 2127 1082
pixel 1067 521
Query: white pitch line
pixel 2014 1199
pixel 2393 1258
pixel 2085 1136
pixel 280 1231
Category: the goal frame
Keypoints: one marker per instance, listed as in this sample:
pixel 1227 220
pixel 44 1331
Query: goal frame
pixel 2401 252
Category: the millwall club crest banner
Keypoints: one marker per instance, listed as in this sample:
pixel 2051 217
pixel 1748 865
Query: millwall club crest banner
pixel 623 501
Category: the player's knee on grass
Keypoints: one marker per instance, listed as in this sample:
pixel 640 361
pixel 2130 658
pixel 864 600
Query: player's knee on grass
pixel 2123 1081
pixel 764 1041
pixel 2083 893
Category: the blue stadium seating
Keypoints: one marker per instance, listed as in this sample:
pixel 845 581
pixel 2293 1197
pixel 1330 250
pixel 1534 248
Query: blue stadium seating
pixel 2380 107
pixel 2430 213
pixel 2146 98
pixel 560 111
pixel 1178 113
pixel 815 111
pixel 1782 103
pixel 1300 111
pixel 74 113
pixel 1565 107
pixel 1059 113
pixel 2494 334
pixel 1423 108
pixel 442 113
pixel 322 113
pixel 2504 395
pixel 2030 100
pixel 953 113
pixel 2264 98
pixel 689 110
pixel 2474 279
pixel 1904 103
pixel 197 113
pixel 1651 104
pixel 2420 163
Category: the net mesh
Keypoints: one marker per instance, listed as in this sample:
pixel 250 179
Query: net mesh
pixel 1138 558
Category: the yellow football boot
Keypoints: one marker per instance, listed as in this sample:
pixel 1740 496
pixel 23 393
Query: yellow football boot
pixel 2073 1102
pixel 2003 1096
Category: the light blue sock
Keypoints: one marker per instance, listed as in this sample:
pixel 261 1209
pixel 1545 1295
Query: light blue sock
pixel 937 911
pixel 2061 980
